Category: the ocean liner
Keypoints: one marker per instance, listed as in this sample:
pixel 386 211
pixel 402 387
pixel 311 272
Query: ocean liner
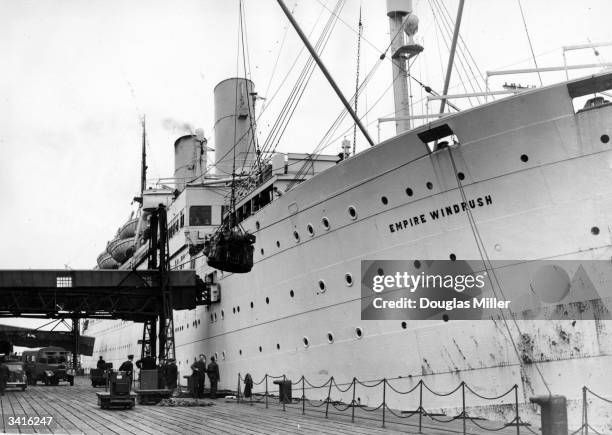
pixel 525 177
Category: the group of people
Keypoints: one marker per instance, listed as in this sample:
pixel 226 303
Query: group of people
pixel 168 370
pixel 200 370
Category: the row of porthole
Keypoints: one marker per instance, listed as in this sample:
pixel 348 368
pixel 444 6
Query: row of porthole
pixel 306 341
pixel 353 211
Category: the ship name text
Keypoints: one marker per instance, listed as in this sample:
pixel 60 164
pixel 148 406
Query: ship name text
pixel 442 212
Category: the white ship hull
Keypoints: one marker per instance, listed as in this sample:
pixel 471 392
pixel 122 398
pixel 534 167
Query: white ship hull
pixel 543 206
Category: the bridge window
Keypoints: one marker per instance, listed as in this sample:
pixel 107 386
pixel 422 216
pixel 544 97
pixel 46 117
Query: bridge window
pixel 199 215
pixel 63 281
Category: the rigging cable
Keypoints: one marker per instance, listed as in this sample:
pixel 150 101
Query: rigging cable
pixel 535 62
pixel 357 79
pixel 490 270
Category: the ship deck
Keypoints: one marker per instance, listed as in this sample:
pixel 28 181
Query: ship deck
pixel 75 410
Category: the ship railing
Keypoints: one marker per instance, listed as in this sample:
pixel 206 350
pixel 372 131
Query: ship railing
pixel 588 394
pixel 383 413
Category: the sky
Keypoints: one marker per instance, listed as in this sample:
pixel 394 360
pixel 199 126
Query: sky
pixel 77 77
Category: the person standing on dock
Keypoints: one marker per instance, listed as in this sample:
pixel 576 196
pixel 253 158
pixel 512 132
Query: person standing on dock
pixel 171 374
pixel 128 367
pixel 213 375
pixel 146 363
pixel 101 363
pixel 4 376
pixel 199 374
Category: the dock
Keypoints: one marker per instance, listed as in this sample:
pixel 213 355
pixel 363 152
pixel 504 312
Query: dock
pixel 75 410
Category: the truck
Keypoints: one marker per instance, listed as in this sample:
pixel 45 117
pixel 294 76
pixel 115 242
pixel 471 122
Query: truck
pixel 17 377
pixel 48 365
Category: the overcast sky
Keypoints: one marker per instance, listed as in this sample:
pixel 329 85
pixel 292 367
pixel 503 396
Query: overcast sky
pixel 77 75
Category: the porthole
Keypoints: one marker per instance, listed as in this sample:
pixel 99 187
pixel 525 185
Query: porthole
pixel 380 272
pixel 429 185
pixel 296 236
pixel 310 230
pixel 330 337
pixel 305 341
pixel 262 251
pixel 605 138
pixel 257 225
pixel 238 308
pixel 461 176
pixel 291 293
pixel 358 332
pixel 267 300
pixel 384 200
pixel 348 278
pixel 215 316
pixel 240 352
pixel 223 355
pixel 322 285
pixel 325 223
pixel 277 346
pixel 417 264
pixel 251 304
pixel 216 356
pixel 445 317
pixel 452 257
pixel 524 158
pixel 211 318
pixel 234 310
pixel 352 212
pixel 404 325
pixel 277 244
pixel 222 314
pixel 595 231
pixel 260 349
pixel 409 191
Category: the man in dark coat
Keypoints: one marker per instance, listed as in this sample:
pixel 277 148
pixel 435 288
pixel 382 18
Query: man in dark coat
pixel 146 363
pixel 101 363
pixel 199 373
pixel 128 367
pixel 171 374
pixel 4 376
pixel 213 375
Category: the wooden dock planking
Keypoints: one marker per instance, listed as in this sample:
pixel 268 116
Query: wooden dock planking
pixel 75 410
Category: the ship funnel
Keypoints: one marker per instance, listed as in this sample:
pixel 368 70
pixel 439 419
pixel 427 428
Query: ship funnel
pixel 234 126
pixel 189 158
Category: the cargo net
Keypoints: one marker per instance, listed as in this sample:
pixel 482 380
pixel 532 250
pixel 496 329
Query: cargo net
pixel 230 250
pixel 347 401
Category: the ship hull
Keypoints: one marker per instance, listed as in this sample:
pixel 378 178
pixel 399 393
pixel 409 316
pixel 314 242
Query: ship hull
pixel 538 176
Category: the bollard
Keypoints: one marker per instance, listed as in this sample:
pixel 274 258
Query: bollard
pixel 553 414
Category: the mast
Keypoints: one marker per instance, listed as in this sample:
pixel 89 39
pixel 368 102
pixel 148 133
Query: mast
pixel 143 168
pixel 402 19
pixel 451 57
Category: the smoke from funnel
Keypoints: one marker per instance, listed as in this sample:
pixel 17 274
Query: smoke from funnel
pixel 177 127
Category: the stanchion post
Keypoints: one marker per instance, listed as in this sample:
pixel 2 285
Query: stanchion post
pixel 353 402
pixel 384 404
pixel 516 408
pixel 585 409
pixel 463 404
pixel 266 390
pixel 331 381
pixel 238 389
pixel 284 380
pixel 303 396
pixel 421 406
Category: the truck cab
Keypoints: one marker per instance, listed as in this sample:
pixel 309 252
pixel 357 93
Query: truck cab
pixel 48 365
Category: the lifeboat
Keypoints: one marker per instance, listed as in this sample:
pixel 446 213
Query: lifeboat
pixel 128 229
pixel 230 251
pixel 121 249
pixel 106 261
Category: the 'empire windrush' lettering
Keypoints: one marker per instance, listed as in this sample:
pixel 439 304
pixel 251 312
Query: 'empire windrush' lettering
pixel 441 212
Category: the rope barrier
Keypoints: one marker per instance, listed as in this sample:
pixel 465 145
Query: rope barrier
pixel 486 428
pixel 412 413
pixel 405 392
pixel 340 389
pixel 597 395
pixel 370 386
pixel 489 398
pixel 442 394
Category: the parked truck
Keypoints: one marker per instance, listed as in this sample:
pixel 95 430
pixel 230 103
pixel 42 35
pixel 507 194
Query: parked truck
pixel 48 365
